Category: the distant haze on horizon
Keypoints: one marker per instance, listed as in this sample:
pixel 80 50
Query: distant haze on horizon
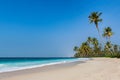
pixel 51 28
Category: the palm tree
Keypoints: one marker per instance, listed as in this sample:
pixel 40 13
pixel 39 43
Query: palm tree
pixel 85 49
pixel 107 33
pixel 108 48
pixel 95 42
pixel 108 44
pixel 89 40
pixel 76 48
pixel 95 45
pixel 95 18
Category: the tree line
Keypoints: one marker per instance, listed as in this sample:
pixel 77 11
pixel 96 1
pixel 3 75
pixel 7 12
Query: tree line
pixel 92 47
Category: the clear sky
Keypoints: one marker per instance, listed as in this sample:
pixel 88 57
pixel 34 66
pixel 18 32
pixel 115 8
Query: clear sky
pixel 51 28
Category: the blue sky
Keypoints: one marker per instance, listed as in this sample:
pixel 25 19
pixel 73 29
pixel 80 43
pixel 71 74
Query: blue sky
pixel 51 28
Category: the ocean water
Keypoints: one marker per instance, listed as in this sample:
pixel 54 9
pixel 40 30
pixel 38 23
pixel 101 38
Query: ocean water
pixel 13 64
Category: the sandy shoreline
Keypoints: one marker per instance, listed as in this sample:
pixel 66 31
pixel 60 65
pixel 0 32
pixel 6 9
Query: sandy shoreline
pixel 95 69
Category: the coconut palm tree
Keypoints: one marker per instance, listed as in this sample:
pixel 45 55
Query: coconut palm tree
pixel 95 42
pixel 107 33
pixel 95 45
pixel 85 49
pixel 76 48
pixel 109 45
pixel 95 18
pixel 108 48
pixel 89 40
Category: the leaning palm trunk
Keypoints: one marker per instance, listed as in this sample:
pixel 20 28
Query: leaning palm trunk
pixel 99 34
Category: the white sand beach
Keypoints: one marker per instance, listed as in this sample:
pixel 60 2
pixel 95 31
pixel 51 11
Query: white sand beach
pixel 95 69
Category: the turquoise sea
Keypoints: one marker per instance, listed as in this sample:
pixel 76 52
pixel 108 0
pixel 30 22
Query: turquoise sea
pixel 13 64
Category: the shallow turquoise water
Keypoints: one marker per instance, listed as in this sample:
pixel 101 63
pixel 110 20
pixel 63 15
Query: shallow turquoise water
pixel 12 64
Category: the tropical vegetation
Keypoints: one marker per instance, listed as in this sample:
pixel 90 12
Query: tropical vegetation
pixel 92 47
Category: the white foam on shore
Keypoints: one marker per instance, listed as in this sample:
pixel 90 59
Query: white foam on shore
pixel 10 69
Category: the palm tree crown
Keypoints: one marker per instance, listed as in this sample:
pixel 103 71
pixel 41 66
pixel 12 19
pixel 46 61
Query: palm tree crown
pixel 95 42
pixel 95 18
pixel 89 40
pixel 107 32
pixel 85 48
pixel 76 48
pixel 108 44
